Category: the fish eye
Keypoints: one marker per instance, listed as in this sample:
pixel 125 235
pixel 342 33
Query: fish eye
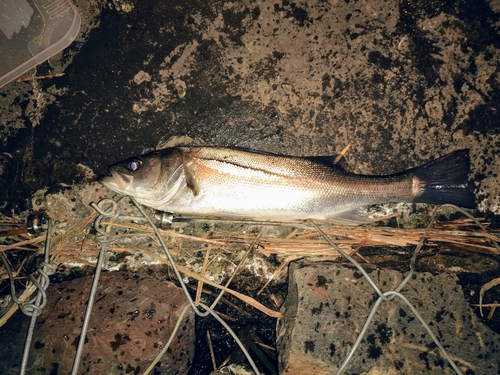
pixel 134 165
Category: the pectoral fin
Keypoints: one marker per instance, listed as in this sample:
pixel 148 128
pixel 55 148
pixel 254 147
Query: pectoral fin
pixel 192 181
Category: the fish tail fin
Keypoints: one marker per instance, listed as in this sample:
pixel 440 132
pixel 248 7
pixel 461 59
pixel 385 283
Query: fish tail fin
pixel 445 180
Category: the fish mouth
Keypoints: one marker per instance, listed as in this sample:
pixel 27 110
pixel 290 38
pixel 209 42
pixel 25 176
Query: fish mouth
pixel 116 181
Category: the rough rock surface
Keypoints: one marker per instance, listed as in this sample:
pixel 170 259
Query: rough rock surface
pixel 233 370
pixel 403 81
pixel 131 320
pixel 328 305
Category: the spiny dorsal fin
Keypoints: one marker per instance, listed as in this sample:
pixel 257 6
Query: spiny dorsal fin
pixel 192 181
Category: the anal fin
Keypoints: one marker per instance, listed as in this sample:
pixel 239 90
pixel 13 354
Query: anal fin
pixel 351 217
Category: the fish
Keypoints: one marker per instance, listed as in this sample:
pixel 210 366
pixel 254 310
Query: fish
pixel 240 183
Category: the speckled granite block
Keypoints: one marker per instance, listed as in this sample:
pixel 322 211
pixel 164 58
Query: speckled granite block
pixel 328 305
pixel 131 321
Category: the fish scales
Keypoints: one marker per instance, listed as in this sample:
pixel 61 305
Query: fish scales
pixel 251 183
pixel 239 183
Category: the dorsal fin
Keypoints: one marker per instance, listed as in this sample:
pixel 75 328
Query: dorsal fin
pixel 330 161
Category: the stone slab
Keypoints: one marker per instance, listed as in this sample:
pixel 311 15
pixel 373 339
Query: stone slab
pixel 329 303
pixel 131 321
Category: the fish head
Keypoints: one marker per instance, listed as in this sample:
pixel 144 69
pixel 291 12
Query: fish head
pixel 151 177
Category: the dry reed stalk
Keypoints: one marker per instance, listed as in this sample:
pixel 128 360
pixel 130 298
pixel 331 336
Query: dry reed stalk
pixel 169 233
pixel 23 298
pixel 32 241
pixel 203 270
pixel 303 241
pixel 212 355
pixel 194 275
